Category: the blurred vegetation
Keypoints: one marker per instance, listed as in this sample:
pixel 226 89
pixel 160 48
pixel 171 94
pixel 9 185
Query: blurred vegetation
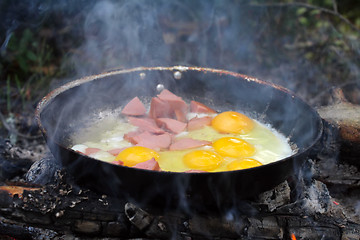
pixel 30 63
pixel 38 37
pixel 318 43
pixel 35 39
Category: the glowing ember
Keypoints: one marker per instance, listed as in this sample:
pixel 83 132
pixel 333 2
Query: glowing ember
pixel 16 190
pixel 293 237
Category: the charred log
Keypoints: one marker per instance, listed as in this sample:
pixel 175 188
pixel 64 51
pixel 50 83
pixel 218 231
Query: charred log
pixel 343 117
pixel 43 171
pixel 59 210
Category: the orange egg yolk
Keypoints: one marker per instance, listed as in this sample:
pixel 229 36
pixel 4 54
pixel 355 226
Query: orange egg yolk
pixel 137 154
pixel 202 160
pixel 243 164
pixel 232 122
pixel 233 147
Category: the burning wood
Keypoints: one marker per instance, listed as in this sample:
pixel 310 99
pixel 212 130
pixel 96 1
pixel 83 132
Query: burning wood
pixel 16 190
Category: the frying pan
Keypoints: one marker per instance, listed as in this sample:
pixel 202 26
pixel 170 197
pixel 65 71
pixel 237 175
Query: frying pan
pixel 65 110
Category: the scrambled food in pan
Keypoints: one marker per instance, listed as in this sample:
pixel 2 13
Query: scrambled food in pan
pixel 173 135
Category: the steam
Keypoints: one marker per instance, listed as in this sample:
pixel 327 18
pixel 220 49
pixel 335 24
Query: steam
pixel 124 34
pixel 120 34
pixel 236 36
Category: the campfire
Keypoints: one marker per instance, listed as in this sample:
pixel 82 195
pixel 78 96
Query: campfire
pixel 48 190
pixel 319 202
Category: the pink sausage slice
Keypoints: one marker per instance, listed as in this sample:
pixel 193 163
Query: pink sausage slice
pixel 149 140
pixel 167 95
pixel 198 123
pixel 180 115
pixel 172 125
pixel 179 107
pixel 116 151
pixel 187 143
pixel 160 108
pixel 134 108
pixel 156 142
pixel 118 162
pixel 146 124
pixel 151 164
pixel 89 151
pixel 130 136
pixel 198 107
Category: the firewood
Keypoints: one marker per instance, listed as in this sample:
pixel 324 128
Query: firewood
pixel 344 119
pixel 63 210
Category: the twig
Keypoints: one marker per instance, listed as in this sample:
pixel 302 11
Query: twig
pixel 306 5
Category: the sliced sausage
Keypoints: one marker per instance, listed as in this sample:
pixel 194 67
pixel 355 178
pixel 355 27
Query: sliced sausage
pixel 116 151
pixel 180 115
pixel 198 107
pixel 89 151
pixel 130 136
pixel 179 108
pixel 134 108
pixel 151 164
pixel 156 142
pixel 187 143
pixel 171 125
pixel 146 124
pixel 118 162
pixel 160 108
pixel 198 123
pixel 167 95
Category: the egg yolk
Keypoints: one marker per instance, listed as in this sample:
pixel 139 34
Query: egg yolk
pixel 202 160
pixel 137 154
pixel 232 122
pixel 233 147
pixel 243 164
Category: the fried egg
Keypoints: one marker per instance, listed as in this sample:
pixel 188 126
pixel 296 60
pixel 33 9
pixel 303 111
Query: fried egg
pixel 233 147
pixel 232 122
pixel 262 145
pixel 243 163
pixel 204 160
pixel 238 142
pixel 136 154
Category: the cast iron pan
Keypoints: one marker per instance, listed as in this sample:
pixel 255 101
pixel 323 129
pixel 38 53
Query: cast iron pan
pixel 63 111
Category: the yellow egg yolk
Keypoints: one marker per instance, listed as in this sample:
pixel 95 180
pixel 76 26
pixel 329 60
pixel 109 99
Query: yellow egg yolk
pixel 243 164
pixel 232 122
pixel 202 160
pixel 137 154
pixel 233 147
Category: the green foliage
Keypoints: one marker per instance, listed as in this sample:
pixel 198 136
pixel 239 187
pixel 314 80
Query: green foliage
pixel 21 50
pixel 27 64
pixel 321 36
